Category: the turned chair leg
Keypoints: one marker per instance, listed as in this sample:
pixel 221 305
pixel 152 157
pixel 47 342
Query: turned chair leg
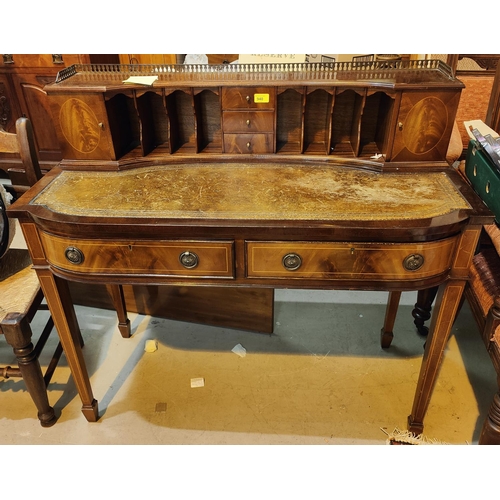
pixel 118 298
pixel 17 331
pixel 490 432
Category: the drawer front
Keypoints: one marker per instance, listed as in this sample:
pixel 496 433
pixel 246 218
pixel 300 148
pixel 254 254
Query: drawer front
pixel 248 121
pixel 248 143
pixel 247 98
pixel 313 260
pixel 168 258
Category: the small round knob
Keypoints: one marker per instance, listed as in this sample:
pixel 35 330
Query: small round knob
pixel 189 260
pixel 248 123
pixel 400 125
pixel 292 261
pixel 74 255
pixel 248 98
pixel 413 262
pixel 249 145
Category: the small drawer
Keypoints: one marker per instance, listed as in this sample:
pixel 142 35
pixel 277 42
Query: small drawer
pixel 248 121
pixel 209 259
pixel 247 98
pixel 249 143
pixel 317 260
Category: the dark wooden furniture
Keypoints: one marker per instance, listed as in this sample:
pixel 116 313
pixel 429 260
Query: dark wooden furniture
pixel 317 109
pixel 20 293
pixel 483 289
pixel 493 113
pixel 487 63
pixel 22 81
pixel 327 176
pixel 483 295
pixel 480 99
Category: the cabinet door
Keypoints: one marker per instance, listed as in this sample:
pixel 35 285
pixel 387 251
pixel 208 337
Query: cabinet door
pixel 424 124
pixel 82 126
pixel 34 104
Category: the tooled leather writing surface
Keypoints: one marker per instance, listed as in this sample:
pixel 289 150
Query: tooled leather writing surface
pixel 260 191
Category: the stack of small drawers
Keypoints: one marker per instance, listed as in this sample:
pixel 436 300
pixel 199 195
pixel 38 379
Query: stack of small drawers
pixel 248 119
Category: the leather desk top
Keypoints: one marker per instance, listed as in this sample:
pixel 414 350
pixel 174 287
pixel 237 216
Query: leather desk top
pixel 259 191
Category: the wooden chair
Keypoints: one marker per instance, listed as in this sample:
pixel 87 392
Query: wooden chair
pixel 20 293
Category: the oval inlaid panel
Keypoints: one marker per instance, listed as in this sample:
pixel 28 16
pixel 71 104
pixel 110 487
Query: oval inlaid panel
pixel 79 125
pixel 425 125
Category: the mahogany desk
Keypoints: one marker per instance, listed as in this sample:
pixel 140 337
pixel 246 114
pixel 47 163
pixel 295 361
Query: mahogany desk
pixel 253 222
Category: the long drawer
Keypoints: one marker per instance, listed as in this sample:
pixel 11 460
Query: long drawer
pixel 214 259
pixel 319 260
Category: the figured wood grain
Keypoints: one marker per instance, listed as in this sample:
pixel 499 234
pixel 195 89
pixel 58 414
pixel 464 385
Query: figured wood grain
pixel 134 257
pixel 248 121
pixel 248 143
pixel 244 98
pixel 349 260
pixel 337 110
pixel 425 121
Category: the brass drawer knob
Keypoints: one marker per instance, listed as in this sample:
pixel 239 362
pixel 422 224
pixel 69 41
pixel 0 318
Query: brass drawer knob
pixel 189 260
pixel 74 255
pixel 413 262
pixel 292 261
pixel 248 123
pixel 249 145
pixel 248 98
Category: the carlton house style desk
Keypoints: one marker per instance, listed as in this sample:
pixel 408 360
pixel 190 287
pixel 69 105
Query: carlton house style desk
pixel 309 176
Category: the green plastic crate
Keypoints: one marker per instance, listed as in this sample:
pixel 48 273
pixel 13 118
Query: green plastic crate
pixel 484 177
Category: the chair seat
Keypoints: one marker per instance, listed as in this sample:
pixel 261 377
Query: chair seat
pixel 18 282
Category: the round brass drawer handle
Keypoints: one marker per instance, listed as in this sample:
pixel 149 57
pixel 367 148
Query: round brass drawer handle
pixel 292 261
pixel 189 260
pixel 413 262
pixel 74 255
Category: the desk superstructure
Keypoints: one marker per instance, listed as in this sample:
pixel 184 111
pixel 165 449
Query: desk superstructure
pixel 291 203
pixel 403 110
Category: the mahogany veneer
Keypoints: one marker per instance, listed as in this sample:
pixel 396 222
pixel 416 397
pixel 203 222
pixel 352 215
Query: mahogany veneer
pixel 329 176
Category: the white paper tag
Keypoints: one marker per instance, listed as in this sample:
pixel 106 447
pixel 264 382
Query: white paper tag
pixel 197 382
pixel 151 345
pixel 239 350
